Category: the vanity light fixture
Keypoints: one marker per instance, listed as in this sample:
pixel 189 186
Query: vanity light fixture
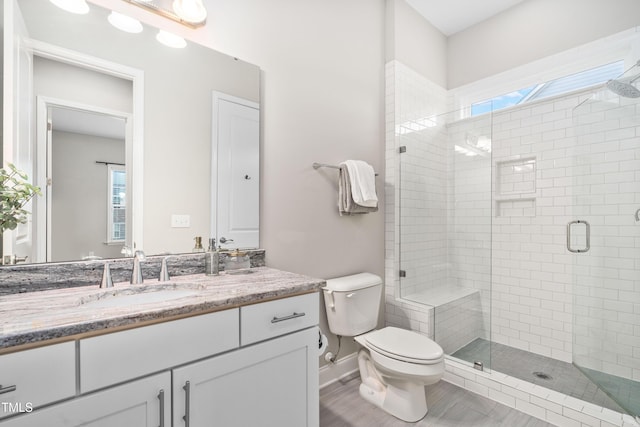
pixel 125 23
pixel 191 13
pixel 79 7
pixel 170 39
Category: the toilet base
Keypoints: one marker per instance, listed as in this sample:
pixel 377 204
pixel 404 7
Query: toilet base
pixel 408 403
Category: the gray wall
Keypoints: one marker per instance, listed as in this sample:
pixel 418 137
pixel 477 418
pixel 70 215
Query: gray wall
pixel 415 42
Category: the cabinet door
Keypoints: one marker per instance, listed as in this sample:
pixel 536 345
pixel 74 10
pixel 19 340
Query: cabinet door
pixel 142 403
pixel 272 384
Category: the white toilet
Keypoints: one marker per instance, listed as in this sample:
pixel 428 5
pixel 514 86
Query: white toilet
pixel 395 364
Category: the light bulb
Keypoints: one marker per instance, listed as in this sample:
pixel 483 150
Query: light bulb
pixel 192 11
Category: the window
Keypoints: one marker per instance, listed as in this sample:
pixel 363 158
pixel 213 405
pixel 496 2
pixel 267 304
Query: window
pixel 502 101
pixel 116 204
pixel 576 81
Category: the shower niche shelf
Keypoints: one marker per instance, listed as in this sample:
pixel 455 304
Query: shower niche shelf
pixel 516 187
pixel 515 206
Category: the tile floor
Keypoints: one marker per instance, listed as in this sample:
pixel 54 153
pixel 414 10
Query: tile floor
pixel 449 406
pixel 563 377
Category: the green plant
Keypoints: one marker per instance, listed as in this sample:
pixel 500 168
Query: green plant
pixel 15 193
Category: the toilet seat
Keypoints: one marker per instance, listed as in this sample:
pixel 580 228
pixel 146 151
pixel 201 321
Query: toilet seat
pixel 404 345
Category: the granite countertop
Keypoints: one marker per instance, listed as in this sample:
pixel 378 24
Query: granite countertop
pixel 34 318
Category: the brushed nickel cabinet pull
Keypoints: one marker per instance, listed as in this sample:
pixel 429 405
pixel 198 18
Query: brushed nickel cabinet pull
pixel 161 399
pixel 187 402
pixel 282 319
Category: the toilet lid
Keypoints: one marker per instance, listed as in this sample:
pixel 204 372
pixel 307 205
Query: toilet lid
pixel 404 345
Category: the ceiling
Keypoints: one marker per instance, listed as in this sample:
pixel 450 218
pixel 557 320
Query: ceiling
pixel 88 123
pixel 451 16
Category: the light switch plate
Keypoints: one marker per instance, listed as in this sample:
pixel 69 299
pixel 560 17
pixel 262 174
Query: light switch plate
pixel 180 221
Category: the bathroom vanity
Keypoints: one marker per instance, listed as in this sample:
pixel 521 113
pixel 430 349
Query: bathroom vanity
pixel 232 350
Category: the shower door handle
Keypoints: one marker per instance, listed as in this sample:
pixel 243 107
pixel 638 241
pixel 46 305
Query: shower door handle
pixel 587 240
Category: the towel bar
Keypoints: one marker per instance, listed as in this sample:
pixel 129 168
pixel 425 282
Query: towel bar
pixel 317 165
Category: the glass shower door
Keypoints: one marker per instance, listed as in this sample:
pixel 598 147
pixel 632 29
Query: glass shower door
pixel 445 229
pixel 603 238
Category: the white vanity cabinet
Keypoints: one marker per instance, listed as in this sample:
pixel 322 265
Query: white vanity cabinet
pixel 273 383
pixel 256 365
pixel 141 403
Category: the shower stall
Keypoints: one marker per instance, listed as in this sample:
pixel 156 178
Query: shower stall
pixel 518 232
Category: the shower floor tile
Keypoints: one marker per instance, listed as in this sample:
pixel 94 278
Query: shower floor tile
pixel 627 392
pixel 561 376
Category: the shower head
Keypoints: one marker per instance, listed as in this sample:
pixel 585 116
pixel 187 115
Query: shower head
pixel 624 87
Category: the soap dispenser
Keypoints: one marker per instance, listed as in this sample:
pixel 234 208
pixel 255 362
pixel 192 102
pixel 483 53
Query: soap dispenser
pixel 237 260
pixel 211 259
pixel 198 246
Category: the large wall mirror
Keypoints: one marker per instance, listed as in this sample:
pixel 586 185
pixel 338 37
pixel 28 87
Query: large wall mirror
pixel 126 137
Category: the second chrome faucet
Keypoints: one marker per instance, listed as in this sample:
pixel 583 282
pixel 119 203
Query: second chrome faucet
pixel 136 273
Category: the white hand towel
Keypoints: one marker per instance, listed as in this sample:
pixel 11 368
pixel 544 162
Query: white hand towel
pixel 346 205
pixel 363 183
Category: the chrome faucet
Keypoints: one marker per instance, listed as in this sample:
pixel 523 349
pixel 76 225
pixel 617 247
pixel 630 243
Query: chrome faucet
pixel 136 273
pixel 164 271
pixel 107 281
pixel 638 215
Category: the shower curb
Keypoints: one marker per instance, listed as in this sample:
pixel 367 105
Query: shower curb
pixel 539 402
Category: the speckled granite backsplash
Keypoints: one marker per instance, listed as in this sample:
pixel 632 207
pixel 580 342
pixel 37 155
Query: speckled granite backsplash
pixel 41 277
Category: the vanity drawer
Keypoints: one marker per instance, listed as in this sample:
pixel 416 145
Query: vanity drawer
pixel 40 376
pixel 122 356
pixel 266 320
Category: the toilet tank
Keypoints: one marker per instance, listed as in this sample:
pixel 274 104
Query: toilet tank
pixel 353 303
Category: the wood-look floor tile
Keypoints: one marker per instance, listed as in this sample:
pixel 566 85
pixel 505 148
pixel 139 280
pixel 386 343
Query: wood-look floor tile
pixel 449 406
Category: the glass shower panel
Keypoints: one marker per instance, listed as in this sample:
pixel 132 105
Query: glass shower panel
pixel 423 207
pixel 445 228
pixel 463 319
pixel 605 245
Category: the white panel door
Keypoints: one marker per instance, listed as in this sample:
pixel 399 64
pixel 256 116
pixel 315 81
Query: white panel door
pixel 236 171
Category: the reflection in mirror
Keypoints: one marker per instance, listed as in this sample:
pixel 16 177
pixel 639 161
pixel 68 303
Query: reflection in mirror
pixel 163 96
pixel 86 194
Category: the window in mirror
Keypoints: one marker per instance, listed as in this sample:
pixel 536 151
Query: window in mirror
pixel 116 204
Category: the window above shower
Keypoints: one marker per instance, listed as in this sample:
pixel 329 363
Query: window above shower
pixel 580 68
pixel 562 85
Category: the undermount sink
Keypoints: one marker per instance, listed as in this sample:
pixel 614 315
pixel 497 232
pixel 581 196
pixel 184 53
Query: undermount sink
pixel 137 295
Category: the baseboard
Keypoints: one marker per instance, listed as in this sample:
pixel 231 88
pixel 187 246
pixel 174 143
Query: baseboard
pixel 333 372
